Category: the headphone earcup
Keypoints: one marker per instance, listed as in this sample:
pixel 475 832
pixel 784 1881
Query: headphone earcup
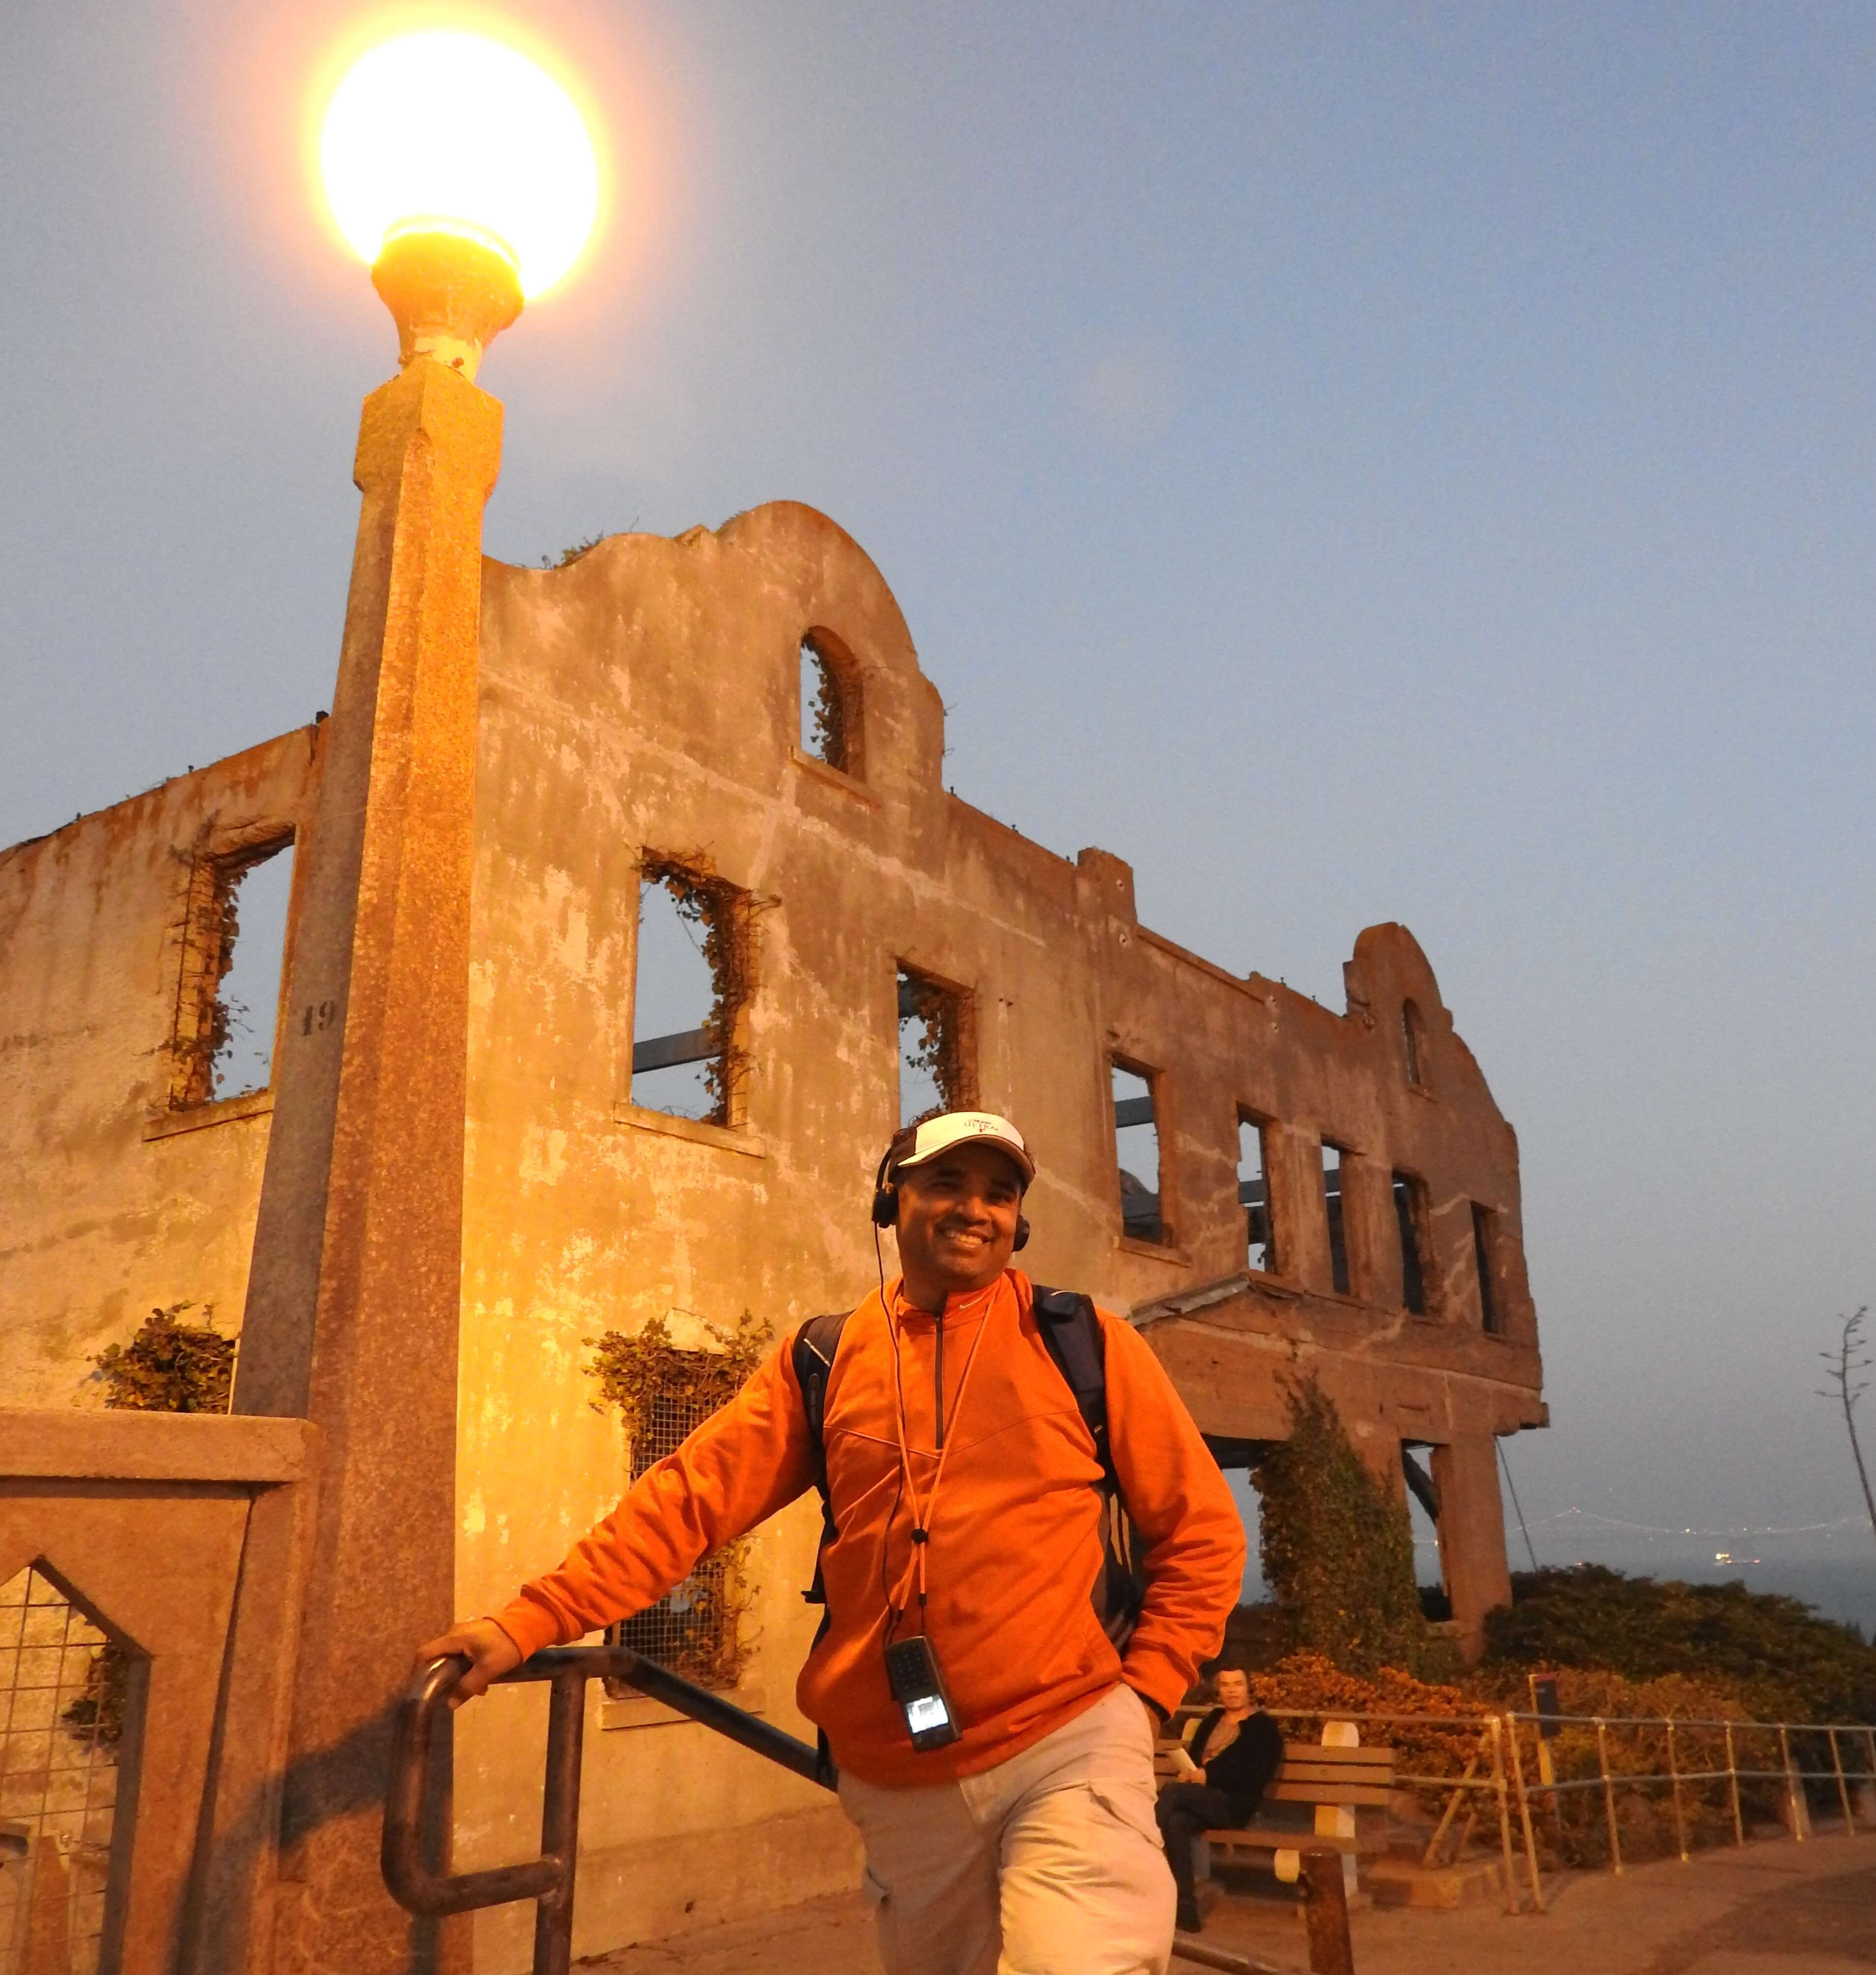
pixel 886 1206
pixel 1022 1232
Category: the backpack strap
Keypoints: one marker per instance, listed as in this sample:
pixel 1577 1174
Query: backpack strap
pixel 1072 1333
pixel 812 1356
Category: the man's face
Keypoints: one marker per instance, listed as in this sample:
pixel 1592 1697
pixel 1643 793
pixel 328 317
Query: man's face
pixel 1233 1690
pixel 957 1219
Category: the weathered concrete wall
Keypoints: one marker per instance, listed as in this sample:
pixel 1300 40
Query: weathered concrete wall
pixel 644 701
pixel 111 1203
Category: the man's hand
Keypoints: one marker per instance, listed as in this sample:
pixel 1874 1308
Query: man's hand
pixel 489 1650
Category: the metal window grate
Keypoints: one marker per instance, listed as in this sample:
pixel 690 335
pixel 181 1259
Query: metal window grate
pixel 691 1628
pixel 58 1780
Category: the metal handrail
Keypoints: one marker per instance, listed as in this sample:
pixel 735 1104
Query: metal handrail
pixel 549 1880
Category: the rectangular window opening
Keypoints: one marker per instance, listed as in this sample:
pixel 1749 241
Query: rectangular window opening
pixel 1422 1497
pixel 693 1628
pixel 934 1056
pixel 1254 1197
pixel 235 951
pixel 691 981
pixel 1332 1211
pixel 1410 1217
pixel 1484 1245
pixel 1136 1156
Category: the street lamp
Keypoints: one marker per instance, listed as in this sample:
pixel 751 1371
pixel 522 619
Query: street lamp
pixel 462 173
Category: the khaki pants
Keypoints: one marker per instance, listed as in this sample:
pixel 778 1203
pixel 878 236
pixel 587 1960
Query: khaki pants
pixel 1049 1863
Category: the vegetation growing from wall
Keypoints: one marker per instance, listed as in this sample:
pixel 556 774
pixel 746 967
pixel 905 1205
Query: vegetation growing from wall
pixel 938 1051
pixel 1337 1547
pixel 170 1367
pixel 572 554
pixel 661 1394
pixel 1774 1655
pixel 832 725
pixel 721 919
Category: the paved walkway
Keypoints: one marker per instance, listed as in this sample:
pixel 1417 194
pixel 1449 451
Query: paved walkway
pixel 1775 1908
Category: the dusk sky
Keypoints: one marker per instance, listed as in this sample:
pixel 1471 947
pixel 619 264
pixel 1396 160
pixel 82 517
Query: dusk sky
pixel 1357 464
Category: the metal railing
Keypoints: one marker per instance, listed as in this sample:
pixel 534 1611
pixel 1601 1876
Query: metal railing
pixel 1790 1777
pixel 1511 1779
pixel 549 1880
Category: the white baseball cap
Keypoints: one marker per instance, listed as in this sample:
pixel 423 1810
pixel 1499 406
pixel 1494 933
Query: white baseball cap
pixel 956 1128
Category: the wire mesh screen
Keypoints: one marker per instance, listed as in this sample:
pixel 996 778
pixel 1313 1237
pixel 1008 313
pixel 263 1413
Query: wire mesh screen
pixel 61 1699
pixel 693 1628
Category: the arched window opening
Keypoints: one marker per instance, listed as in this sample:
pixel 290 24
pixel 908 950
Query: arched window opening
pixel 831 722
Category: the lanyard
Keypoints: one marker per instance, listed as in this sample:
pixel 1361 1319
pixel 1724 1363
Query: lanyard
pixel 922 1512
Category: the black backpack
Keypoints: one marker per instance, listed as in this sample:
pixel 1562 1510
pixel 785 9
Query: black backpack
pixel 1072 1333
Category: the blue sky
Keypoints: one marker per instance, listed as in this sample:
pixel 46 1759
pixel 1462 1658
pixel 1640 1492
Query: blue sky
pixel 1380 462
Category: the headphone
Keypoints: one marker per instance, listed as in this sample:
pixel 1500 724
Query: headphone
pixel 885 1198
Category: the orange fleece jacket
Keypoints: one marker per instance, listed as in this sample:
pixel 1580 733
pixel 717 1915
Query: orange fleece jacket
pixel 1014 1541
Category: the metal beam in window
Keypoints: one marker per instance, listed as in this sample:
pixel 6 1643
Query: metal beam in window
pixel 670 1051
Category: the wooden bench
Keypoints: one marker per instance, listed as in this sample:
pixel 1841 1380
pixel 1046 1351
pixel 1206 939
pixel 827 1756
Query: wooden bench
pixel 1337 1775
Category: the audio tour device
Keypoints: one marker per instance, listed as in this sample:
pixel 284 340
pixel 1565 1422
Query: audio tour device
pixel 912 1673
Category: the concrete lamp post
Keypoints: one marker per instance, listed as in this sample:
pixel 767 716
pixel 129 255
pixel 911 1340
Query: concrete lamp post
pixel 463 174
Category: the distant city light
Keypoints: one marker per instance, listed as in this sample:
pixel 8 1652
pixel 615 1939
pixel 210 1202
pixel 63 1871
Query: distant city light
pixel 448 133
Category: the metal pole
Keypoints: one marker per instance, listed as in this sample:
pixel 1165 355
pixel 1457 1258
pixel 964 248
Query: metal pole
pixel 1185 1948
pixel 1843 1788
pixel 1512 1903
pixel 1794 1789
pixel 560 1820
pixel 1459 1789
pixel 1609 1797
pixel 1524 1813
pixel 1673 1784
pixel 1733 1781
pixel 1325 1913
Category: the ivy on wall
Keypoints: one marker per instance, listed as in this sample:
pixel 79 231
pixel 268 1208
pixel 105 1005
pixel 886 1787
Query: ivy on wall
pixel 170 1367
pixel 662 1394
pixel 1337 1546
pixel 722 920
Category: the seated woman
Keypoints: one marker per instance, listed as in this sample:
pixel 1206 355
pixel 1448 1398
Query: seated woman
pixel 1233 1755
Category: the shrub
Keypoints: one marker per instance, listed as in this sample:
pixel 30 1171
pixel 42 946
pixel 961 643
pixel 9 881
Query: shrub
pixel 1337 1547
pixel 170 1367
pixel 1772 1655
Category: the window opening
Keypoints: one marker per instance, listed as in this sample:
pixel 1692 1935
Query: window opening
pixel 1484 1245
pixel 234 959
pixel 1410 1217
pixel 1254 1197
pixel 1136 1156
pixel 664 1394
pixel 830 703
pixel 691 1628
pixel 934 1060
pixel 1332 1211
pixel 65 1692
pixel 1423 1497
pixel 691 979
pixel 1414 1041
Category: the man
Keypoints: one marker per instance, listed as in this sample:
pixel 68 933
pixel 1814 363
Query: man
pixel 964 1486
pixel 1226 1766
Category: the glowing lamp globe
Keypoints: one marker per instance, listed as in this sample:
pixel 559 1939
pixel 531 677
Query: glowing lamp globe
pixel 462 172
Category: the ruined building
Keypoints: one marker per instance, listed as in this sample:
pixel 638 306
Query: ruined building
pixel 1260 1182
